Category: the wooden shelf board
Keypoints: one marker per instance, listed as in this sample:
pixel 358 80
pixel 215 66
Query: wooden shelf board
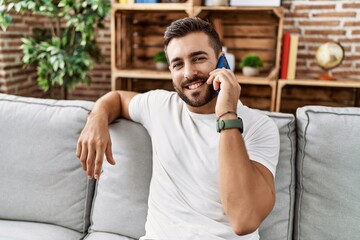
pixel 142 74
pixel 185 6
pixel 322 83
pixel 235 8
pixel 259 80
pixel 166 75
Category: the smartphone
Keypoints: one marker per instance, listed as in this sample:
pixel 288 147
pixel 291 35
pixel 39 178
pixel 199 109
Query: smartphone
pixel 222 63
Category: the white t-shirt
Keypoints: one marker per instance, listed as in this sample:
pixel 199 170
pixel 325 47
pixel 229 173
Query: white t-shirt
pixel 184 199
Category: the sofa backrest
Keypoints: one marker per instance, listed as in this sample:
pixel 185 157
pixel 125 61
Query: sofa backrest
pixel 41 179
pixel 279 224
pixel 328 173
pixel 120 201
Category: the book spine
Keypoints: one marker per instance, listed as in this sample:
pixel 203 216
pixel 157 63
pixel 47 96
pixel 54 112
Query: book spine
pixel 294 40
pixel 285 55
pixel 257 3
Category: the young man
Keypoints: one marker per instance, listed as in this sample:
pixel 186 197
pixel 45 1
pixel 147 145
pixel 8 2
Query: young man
pixel 206 184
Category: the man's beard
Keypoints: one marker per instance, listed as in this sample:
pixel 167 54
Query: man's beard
pixel 195 100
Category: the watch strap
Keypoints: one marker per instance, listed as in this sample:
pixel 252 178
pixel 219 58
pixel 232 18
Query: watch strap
pixel 229 124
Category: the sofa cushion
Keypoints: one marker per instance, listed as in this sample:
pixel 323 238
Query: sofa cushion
pixel 279 224
pixel 41 179
pixel 105 236
pixel 328 166
pixel 120 202
pixel 18 230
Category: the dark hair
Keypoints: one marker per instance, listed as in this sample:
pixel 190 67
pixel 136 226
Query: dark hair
pixel 184 26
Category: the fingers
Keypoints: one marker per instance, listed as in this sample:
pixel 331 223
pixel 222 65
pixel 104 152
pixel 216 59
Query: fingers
pixel 100 158
pixel 222 75
pixel 91 156
pixel 109 156
pixel 98 164
pixel 83 157
pixel 90 162
pixel 78 149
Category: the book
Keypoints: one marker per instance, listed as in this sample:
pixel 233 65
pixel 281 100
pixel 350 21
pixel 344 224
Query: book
pixel 147 1
pixel 294 40
pixel 257 3
pixel 285 55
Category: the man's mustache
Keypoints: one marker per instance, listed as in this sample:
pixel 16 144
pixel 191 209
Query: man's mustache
pixel 194 79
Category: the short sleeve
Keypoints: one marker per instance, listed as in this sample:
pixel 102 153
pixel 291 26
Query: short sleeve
pixel 263 143
pixel 146 107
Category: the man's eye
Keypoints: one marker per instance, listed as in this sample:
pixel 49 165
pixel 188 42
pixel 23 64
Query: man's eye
pixel 198 59
pixel 176 65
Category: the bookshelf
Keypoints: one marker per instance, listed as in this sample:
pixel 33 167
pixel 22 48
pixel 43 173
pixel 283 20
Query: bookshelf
pixel 137 33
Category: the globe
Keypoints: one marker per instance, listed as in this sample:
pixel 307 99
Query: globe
pixel 329 55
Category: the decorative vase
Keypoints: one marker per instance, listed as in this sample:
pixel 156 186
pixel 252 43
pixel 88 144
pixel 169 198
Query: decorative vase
pixel 161 66
pixel 230 58
pixel 250 71
pixel 216 2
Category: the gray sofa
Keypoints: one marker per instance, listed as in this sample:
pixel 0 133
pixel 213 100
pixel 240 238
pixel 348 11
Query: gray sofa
pixel 45 195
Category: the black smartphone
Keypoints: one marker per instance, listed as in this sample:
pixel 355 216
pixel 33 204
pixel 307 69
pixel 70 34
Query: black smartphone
pixel 222 63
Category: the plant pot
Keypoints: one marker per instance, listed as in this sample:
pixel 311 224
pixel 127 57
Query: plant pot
pixel 161 66
pixel 250 71
pixel 216 2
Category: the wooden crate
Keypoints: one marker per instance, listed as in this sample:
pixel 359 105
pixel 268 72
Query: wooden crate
pixel 137 35
pixel 250 31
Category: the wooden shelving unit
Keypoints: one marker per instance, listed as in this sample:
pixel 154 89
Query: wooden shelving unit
pixel 137 35
pixel 340 83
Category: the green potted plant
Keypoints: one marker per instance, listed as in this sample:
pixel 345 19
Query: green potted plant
pixel 62 54
pixel 161 61
pixel 251 64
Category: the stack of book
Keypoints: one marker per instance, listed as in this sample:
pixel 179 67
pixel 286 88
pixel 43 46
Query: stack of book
pixel 256 3
pixel 289 56
pixel 147 1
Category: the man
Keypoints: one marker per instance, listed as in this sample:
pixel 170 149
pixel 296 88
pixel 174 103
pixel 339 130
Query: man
pixel 205 184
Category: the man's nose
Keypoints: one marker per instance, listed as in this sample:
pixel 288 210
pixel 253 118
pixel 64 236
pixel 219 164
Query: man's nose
pixel 189 71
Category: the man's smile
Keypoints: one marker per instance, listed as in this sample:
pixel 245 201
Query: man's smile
pixel 195 85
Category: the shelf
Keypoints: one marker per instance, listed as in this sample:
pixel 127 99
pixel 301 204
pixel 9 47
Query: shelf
pixel 165 75
pixel 165 6
pixel 137 35
pixel 344 83
pixel 142 74
pixel 189 8
pixel 340 83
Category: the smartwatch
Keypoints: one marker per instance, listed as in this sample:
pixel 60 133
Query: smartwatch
pixel 228 124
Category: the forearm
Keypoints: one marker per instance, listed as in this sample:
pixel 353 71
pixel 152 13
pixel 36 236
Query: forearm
pixel 246 195
pixel 108 106
pixel 94 140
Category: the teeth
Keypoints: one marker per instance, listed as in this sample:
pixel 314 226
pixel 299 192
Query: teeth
pixel 196 85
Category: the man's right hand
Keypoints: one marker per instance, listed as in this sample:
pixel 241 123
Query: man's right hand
pixel 93 143
pixel 94 140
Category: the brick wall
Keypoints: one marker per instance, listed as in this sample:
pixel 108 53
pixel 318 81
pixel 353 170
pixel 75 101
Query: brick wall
pixel 319 21
pixel 14 79
pixel 316 21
